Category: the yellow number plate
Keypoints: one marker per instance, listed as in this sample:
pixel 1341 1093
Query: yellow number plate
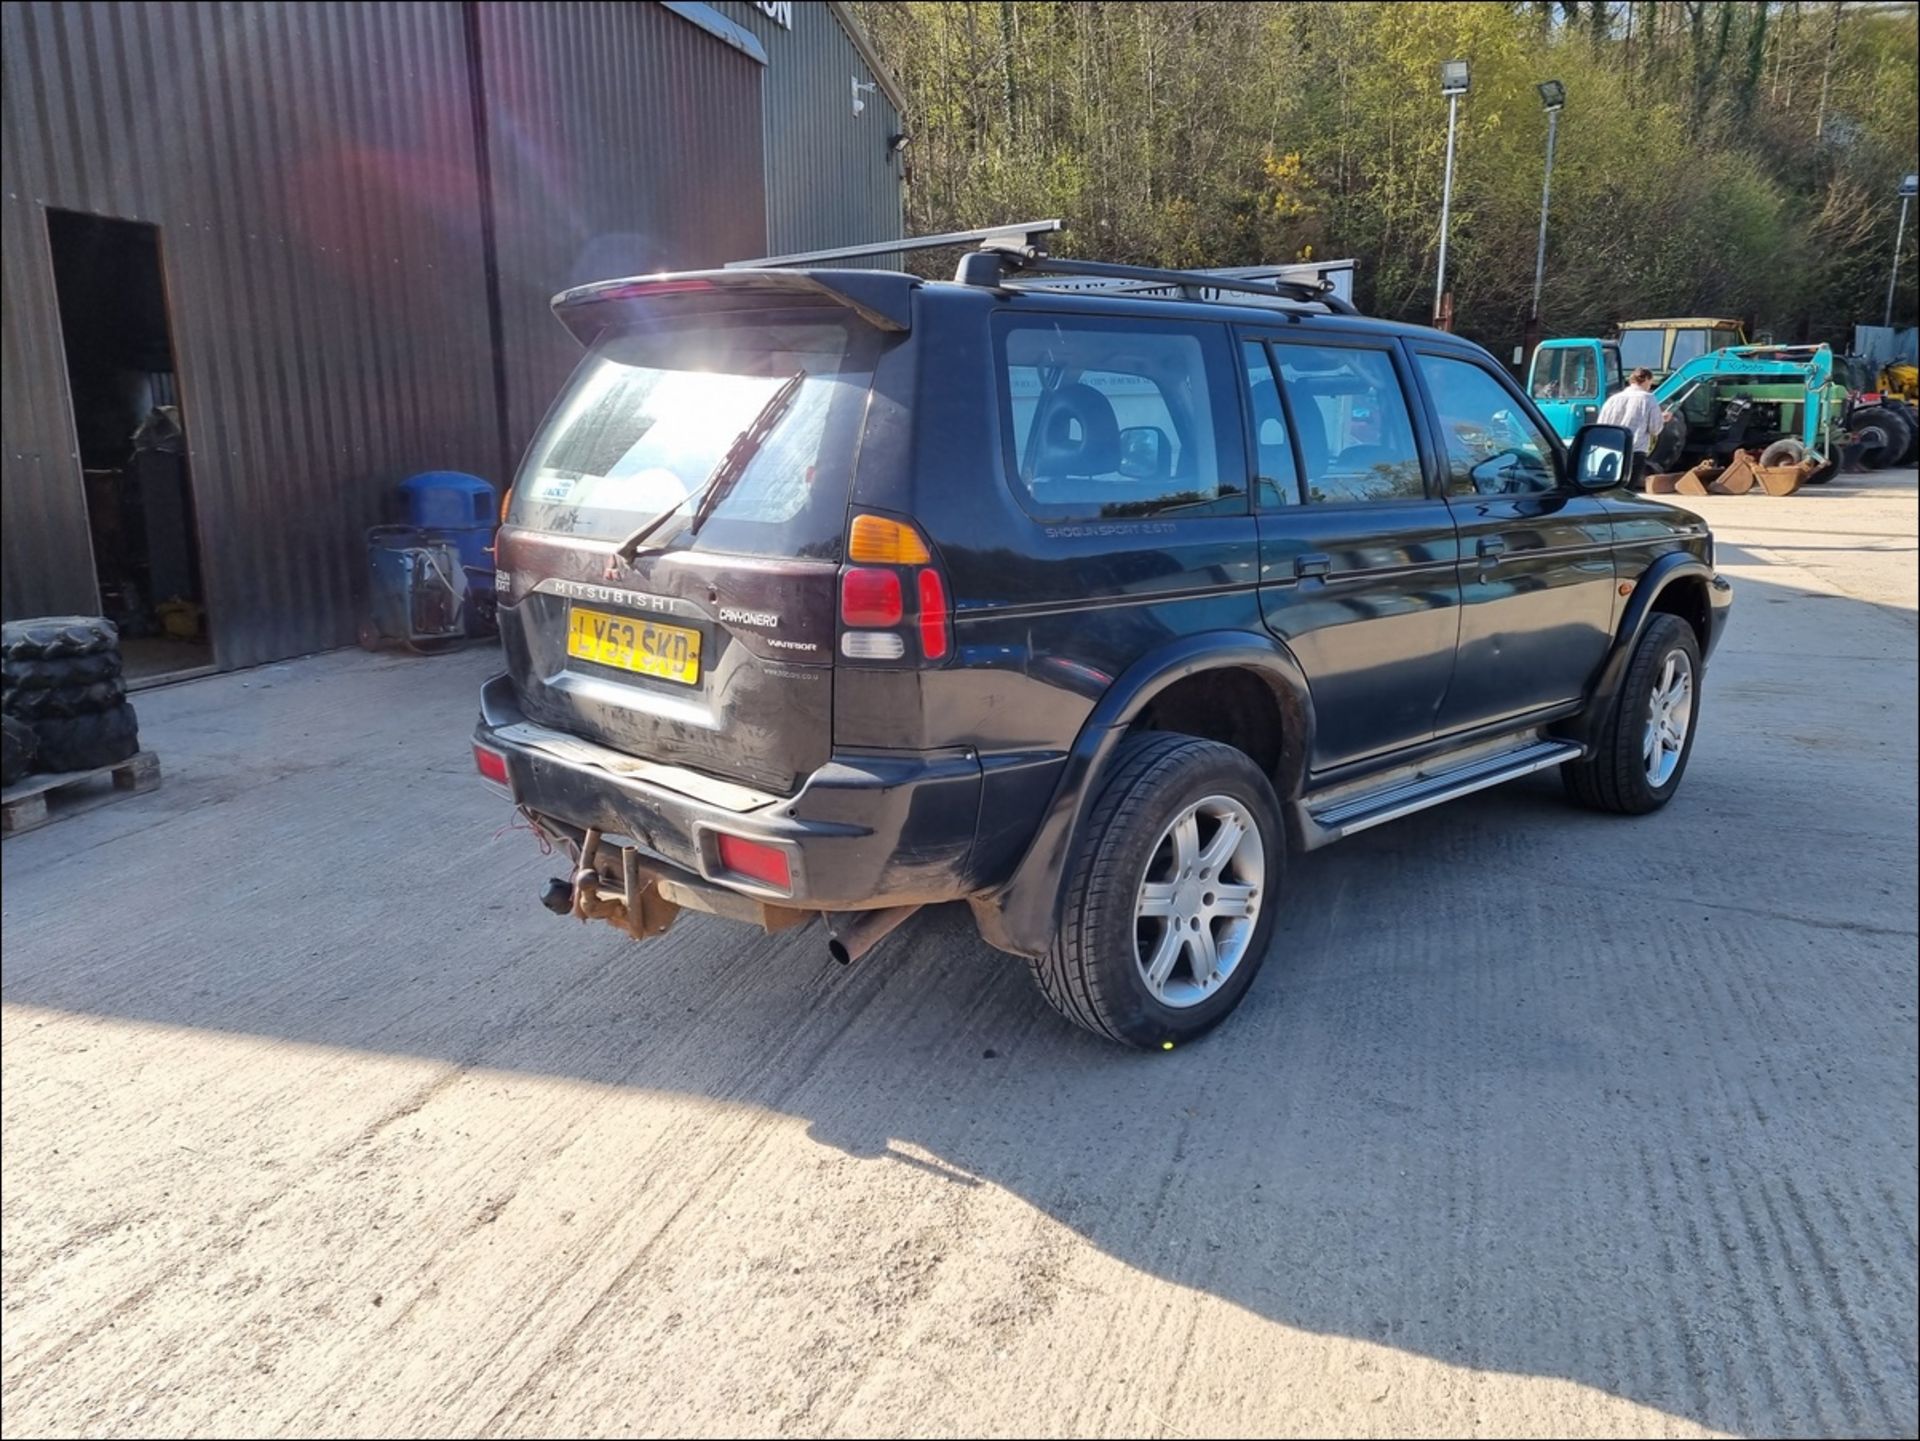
pixel 671 652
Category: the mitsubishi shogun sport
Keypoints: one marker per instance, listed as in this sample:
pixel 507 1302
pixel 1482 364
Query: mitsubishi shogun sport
pixel 1085 594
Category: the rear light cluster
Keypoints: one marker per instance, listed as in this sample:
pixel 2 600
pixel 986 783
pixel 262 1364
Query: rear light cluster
pixel 893 600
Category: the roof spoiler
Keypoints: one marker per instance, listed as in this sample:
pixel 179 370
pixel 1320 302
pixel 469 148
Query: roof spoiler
pixel 882 298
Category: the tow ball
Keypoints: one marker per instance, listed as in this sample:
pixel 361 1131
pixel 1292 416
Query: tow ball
pixel 632 902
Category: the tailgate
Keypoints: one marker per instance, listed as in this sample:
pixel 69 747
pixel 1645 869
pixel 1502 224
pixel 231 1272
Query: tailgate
pixel 671 557
pixel 717 662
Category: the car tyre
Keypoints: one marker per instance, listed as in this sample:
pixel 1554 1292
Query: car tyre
pixel 1129 905
pixel 36 674
pixel 88 742
pixel 65 700
pixel 1787 451
pixel 1658 705
pixel 57 637
pixel 17 747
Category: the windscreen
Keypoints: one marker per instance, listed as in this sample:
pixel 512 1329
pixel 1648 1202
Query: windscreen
pixel 649 415
pixel 1687 344
pixel 1641 348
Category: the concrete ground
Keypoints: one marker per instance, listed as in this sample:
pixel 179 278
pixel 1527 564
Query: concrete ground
pixel 1536 1122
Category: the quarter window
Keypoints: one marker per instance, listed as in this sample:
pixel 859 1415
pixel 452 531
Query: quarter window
pixel 1121 422
pixel 1492 447
pixel 1356 436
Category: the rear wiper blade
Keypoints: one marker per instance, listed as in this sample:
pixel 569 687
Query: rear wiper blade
pixel 734 463
pixel 711 491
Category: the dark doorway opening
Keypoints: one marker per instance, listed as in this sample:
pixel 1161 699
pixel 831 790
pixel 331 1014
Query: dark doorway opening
pixel 132 439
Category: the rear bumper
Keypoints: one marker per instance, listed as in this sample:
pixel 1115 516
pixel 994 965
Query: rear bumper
pixel 865 830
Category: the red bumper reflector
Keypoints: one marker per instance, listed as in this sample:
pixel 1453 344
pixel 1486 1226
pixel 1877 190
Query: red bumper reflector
pixel 933 615
pixel 756 861
pixel 492 765
pixel 870 597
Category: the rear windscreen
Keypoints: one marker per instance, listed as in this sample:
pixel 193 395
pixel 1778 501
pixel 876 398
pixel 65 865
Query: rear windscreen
pixel 650 414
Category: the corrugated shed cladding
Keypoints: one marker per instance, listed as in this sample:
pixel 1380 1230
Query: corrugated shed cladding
pixel 830 180
pixel 314 173
pixel 311 168
pixel 621 140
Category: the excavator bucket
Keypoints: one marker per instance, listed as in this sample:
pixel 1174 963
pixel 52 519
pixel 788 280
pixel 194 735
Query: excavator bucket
pixel 1738 478
pixel 1784 479
pixel 1695 481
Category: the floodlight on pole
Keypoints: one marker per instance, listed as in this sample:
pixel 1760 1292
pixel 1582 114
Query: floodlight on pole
pixel 1455 76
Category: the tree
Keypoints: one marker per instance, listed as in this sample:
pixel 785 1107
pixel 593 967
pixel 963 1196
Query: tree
pixel 1716 156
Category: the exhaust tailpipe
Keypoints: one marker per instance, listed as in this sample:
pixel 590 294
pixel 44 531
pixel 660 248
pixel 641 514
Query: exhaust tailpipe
pixel 851 934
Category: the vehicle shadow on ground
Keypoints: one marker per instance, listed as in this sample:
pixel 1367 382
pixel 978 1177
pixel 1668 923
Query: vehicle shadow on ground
pixel 1521 1089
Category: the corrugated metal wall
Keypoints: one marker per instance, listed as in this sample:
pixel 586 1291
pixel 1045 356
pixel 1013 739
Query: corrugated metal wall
pixel 311 169
pixel 622 140
pixel 830 180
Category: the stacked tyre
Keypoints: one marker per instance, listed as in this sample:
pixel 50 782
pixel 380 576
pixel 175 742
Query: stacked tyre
pixel 63 696
pixel 1887 434
pixel 1907 413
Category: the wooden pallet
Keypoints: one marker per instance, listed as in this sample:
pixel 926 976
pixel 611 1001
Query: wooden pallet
pixel 23 805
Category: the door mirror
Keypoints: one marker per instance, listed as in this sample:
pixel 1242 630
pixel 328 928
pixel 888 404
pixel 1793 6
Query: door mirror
pixel 1601 456
pixel 1146 453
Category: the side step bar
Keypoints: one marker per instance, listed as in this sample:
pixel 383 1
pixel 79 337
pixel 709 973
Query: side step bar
pixel 1352 814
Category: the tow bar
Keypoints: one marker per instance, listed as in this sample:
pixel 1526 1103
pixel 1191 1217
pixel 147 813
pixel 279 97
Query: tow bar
pixel 621 885
pixel 637 906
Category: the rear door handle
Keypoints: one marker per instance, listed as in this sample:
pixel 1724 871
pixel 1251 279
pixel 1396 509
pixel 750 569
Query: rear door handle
pixel 1492 547
pixel 1312 563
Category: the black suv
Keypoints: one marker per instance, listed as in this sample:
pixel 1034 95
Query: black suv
pixel 1081 593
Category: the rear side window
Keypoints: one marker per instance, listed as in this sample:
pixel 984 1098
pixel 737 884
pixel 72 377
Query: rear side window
pixel 1120 420
pixel 648 415
pixel 1614 378
pixel 1356 435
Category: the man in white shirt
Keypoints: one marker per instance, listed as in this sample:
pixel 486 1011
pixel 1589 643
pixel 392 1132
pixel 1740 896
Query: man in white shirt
pixel 1635 408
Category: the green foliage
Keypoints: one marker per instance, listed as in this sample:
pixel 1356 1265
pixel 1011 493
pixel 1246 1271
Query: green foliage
pixel 1715 157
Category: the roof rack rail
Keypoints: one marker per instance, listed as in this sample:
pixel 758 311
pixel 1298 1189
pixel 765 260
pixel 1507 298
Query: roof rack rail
pixel 1028 237
pixel 1006 253
pixel 1003 265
